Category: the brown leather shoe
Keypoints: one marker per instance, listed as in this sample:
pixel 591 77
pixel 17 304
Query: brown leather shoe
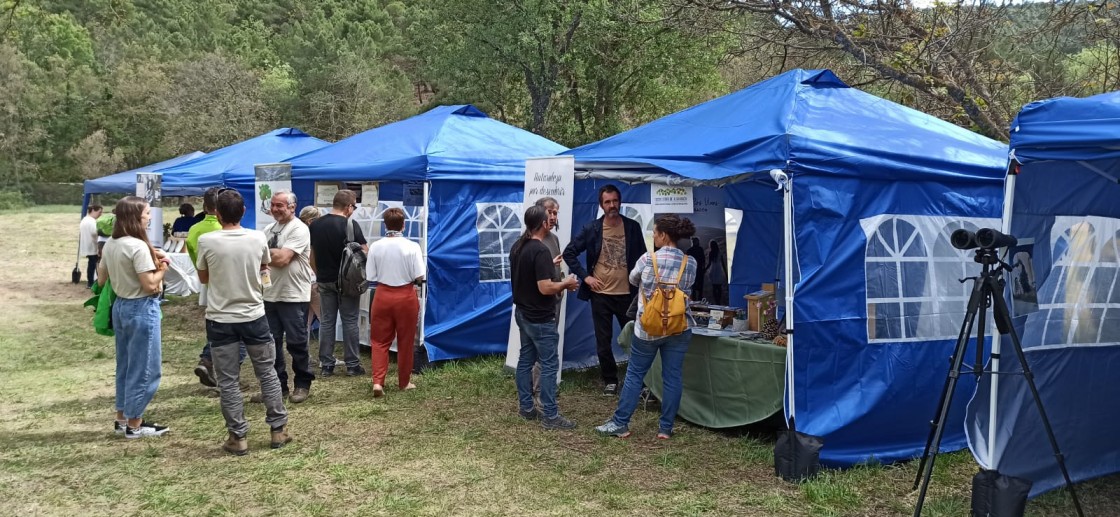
pixel 280 436
pixel 299 395
pixel 236 445
pixel 205 373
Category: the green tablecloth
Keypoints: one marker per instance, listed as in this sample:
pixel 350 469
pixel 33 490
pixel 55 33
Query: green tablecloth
pixel 728 382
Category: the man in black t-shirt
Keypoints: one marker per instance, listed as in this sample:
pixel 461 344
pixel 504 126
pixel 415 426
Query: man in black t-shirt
pixel 328 238
pixel 534 298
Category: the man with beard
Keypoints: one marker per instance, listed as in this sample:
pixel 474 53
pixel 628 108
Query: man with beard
pixel 613 244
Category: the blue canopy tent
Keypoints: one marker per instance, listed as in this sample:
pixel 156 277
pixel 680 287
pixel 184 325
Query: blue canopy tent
pixel 232 166
pixel 1062 204
pixel 125 182
pixel 473 169
pixel 870 193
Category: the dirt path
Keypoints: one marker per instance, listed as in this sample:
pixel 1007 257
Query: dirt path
pixel 40 249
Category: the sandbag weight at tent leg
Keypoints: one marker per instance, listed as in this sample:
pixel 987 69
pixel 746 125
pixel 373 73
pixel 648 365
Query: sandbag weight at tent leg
pixel 998 495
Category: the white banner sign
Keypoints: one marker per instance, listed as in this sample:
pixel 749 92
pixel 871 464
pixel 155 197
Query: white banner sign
pixel 548 177
pixel 367 214
pixel 271 178
pixel 324 195
pixel 670 199
pixel 149 187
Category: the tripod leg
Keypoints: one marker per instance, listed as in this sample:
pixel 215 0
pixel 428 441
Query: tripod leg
pixel 962 342
pixel 1003 320
pixel 976 309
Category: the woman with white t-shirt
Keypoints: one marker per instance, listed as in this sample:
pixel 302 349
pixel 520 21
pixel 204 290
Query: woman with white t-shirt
pixel 135 272
pixel 394 265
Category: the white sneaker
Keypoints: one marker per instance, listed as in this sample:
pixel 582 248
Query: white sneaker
pixel 145 430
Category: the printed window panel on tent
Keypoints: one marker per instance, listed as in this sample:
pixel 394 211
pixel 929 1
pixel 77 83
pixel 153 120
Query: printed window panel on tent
pixel 912 276
pixel 1080 299
pixel 499 227
pixel 413 219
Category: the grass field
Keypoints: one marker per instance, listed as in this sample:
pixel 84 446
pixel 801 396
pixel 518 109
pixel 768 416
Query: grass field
pixel 453 447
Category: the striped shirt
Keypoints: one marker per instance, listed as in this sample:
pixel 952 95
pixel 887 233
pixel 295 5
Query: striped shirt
pixel 669 263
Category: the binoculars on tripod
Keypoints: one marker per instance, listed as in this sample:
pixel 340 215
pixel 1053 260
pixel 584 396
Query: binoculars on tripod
pixel 985 238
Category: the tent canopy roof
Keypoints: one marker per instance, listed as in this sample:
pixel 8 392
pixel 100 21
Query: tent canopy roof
pixel 803 121
pixel 123 182
pixel 1066 128
pixel 233 165
pixel 447 142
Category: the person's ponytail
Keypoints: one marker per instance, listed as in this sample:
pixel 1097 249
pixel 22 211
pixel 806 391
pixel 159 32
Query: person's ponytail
pixel 535 216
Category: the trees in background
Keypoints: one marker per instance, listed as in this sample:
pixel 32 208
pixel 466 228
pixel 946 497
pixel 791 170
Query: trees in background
pixel 215 100
pixel 92 156
pixel 973 63
pixel 571 70
pixel 88 87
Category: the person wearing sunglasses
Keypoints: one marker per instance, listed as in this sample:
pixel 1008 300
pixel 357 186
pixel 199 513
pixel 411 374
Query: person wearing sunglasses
pixel 328 238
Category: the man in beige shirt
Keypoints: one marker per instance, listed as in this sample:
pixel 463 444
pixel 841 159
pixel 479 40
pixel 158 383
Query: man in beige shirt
pixel 286 300
pixel 230 262
pixel 613 244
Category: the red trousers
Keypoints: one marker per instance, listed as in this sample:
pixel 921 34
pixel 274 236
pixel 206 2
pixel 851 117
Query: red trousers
pixel 394 314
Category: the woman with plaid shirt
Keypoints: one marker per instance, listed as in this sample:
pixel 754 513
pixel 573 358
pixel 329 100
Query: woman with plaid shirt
pixel 667 231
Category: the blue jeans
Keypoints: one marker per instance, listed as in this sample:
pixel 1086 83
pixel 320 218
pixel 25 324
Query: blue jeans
pixel 136 327
pixel 539 342
pixel 672 350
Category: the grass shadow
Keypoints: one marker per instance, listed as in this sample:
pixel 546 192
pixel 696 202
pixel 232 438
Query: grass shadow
pixel 106 402
pixel 19 439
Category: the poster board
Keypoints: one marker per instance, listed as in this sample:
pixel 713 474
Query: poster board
pixel 149 186
pixel 324 194
pixel 553 177
pixel 271 179
pixel 367 215
pixel 670 199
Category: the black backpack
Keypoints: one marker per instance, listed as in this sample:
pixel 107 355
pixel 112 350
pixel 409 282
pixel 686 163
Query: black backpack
pixel 352 267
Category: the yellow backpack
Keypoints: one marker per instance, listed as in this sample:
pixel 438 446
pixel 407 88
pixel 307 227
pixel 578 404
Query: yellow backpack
pixel 664 313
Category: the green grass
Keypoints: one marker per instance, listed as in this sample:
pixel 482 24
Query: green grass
pixel 453 447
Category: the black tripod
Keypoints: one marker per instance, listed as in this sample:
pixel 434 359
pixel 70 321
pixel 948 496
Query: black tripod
pixel 987 291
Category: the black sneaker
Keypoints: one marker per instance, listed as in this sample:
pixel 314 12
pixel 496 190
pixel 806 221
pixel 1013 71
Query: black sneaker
pixel 326 371
pixel 530 415
pixel 558 423
pixel 354 371
pixel 119 426
pixel 610 390
pixel 145 431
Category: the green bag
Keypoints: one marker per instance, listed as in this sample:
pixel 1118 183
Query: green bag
pixel 102 303
pixel 105 225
